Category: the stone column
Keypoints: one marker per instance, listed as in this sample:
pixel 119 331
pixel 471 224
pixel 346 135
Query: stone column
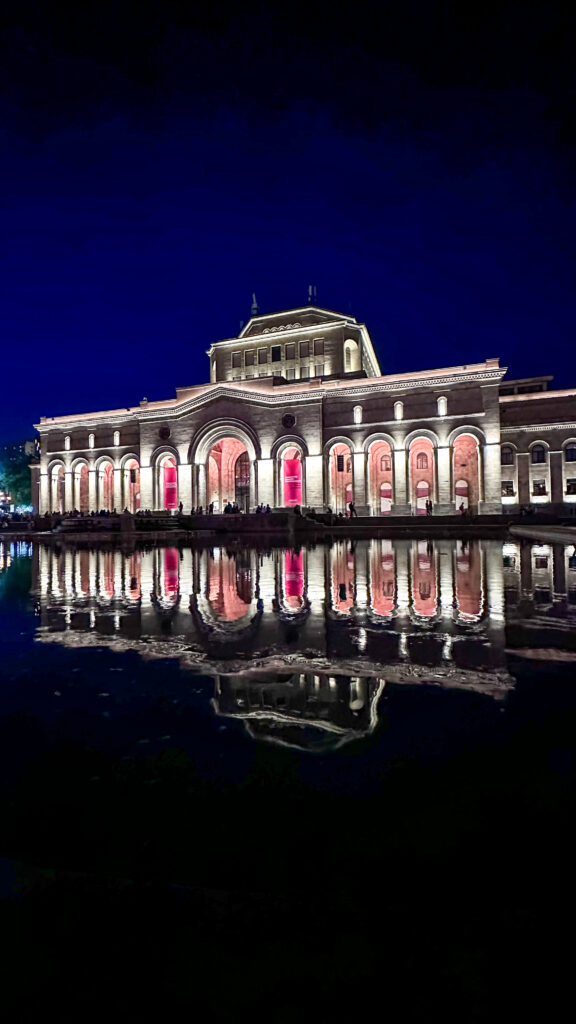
pixel 253 493
pixel 359 483
pixel 68 491
pixel 265 483
pixel 523 460
pixel 446 573
pixel 185 485
pixel 401 506
pixel 559 571
pixel 444 505
pixel 315 470
pixel 361 576
pixel 495 581
pixel 146 498
pixel 44 493
pixel 92 496
pixel 118 490
pixel 202 497
pixel 492 503
pixel 556 481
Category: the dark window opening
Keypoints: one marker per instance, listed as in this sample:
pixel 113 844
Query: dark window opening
pixel 507 457
pixel 276 352
pixel 538 453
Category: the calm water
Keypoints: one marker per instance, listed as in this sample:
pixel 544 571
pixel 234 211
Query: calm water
pixel 310 743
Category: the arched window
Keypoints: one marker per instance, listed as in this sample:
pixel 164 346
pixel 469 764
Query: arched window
pixel 570 453
pixel 385 462
pixel 357 410
pixel 442 406
pixel 421 460
pixel 507 457
pixel 67 443
pixel 347 360
pixel 90 440
pixel 398 410
pixel 538 453
pixel 116 437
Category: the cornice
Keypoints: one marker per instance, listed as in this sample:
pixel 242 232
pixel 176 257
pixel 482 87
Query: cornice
pixel 279 333
pixel 537 427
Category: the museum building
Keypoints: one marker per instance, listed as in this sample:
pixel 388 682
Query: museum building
pixel 297 412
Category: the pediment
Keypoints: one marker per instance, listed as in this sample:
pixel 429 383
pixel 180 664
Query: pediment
pixel 292 319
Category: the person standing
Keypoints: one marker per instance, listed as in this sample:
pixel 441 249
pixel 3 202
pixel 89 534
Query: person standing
pixel 352 509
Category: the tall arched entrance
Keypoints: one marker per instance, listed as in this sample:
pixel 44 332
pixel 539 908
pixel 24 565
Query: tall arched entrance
pixel 380 478
pixel 340 477
pixel 421 463
pixel 106 486
pixel 466 473
pixel 132 485
pixel 290 477
pixel 228 475
pixel 57 489
pixel 81 488
pixel 167 483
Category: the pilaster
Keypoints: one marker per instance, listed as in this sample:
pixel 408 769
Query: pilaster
pixel 314 481
pixel 492 503
pixel 401 506
pixel 92 481
pixel 185 485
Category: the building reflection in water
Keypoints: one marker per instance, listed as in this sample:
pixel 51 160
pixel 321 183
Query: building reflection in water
pixel 343 617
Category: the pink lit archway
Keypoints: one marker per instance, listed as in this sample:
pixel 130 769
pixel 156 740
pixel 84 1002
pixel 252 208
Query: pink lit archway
pixel 132 485
pixel 228 475
pixel 291 482
pixel 381 478
pixel 106 486
pixel 57 498
pixel 81 488
pixel 421 466
pixel 466 472
pixel 340 477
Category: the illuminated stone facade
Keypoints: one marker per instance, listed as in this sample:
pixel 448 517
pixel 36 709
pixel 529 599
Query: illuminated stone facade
pixel 298 412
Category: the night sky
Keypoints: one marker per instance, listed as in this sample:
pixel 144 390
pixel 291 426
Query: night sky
pixel 161 163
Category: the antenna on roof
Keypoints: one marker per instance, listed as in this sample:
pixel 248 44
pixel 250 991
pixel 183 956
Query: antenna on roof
pixel 311 294
pixel 254 311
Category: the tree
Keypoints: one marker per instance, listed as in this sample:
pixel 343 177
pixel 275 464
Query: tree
pixel 15 478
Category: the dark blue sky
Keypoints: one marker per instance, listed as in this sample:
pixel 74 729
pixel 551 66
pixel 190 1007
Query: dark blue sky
pixel 159 166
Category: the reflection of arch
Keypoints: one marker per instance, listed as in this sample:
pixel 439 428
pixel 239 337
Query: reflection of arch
pixel 382 578
pixel 468 582
pixel 423 580
pixel 339 473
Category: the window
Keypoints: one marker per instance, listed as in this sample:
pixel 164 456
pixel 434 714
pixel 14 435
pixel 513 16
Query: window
pixel 319 370
pixel 290 350
pixel 539 487
pixel 262 373
pixel 571 486
pixel 318 346
pixel 237 377
pixel 116 437
pixel 421 460
pixel 347 360
pixel 291 373
pixel 249 376
pixel 304 350
pixel 570 453
pixel 442 406
pixel 385 462
pixel 90 440
pixel 249 358
pixel 236 360
pixel 541 561
pixel 304 372
pixel 67 443
pixel 262 355
pixel 276 353
pixel 538 453
pixel 357 414
pixel 507 457
pixel 508 489
pixel 398 410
